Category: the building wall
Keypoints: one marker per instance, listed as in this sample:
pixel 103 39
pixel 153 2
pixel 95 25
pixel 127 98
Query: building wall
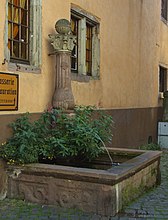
pixel 129 55
pixel 133 44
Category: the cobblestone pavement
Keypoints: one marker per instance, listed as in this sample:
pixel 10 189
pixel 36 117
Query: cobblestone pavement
pixel 152 206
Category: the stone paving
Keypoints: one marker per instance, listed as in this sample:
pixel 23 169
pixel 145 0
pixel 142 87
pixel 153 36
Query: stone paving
pixel 152 206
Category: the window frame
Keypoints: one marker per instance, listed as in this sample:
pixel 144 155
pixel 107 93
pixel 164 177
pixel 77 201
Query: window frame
pixel 84 19
pixel 74 54
pixel 89 34
pixel 35 36
pixel 20 41
pixel 164 11
pixel 163 71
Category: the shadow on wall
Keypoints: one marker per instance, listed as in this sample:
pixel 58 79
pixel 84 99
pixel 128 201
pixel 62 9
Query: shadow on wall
pixel 5 120
pixel 135 127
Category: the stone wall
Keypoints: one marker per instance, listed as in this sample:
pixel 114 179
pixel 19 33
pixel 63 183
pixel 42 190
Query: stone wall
pixel 103 192
pixel 133 187
pixel 3 180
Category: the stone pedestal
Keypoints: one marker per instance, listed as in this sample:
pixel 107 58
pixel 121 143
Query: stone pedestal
pixel 63 44
pixel 63 97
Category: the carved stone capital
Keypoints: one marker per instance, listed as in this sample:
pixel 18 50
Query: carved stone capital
pixel 63 40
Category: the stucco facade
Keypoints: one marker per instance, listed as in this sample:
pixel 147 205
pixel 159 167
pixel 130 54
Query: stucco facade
pixel 133 43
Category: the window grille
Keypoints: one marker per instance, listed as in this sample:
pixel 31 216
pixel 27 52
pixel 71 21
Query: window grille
pixel 19 30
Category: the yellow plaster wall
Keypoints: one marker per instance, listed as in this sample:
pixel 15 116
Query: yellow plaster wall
pixel 129 33
pixel 2 26
pixel 134 41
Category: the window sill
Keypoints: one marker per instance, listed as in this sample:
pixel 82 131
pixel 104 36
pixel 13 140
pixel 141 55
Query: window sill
pixel 164 21
pixel 23 68
pixel 161 95
pixel 82 78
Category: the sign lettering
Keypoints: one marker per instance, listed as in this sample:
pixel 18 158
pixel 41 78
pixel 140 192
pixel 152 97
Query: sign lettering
pixel 9 88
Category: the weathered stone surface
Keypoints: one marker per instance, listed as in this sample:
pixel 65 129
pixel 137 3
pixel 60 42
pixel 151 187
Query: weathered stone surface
pixel 63 43
pixel 102 192
pixel 3 180
pixel 150 205
pixel 132 187
pixel 63 96
pixel 88 197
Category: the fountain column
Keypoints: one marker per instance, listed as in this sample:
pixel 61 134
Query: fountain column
pixel 63 43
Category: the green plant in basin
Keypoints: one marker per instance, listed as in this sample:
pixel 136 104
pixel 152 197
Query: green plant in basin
pixel 56 134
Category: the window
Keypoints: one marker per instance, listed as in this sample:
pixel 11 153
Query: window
pixel 88 49
pixel 164 9
pixel 74 54
pixel 162 79
pixel 85 57
pixel 23 38
pixel 18 30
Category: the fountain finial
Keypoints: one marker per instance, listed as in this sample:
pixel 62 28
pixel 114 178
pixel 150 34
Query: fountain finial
pixel 63 39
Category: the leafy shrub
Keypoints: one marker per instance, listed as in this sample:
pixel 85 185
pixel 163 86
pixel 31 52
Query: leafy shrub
pixel 151 146
pixel 58 135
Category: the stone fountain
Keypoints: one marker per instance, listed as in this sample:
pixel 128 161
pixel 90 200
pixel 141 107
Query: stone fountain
pixel 98 191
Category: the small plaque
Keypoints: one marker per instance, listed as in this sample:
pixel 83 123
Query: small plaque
pixel 9 89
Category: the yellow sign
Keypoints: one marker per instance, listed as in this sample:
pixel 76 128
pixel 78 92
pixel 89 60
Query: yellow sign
pixel 9 88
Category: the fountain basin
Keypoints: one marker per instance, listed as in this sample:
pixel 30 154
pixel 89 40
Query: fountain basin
pixel 102 192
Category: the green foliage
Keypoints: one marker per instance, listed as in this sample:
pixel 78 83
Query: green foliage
pixel 59 135
pixel 151 146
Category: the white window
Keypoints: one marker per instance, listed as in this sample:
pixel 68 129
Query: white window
pixel 85 58
pixel 23 34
